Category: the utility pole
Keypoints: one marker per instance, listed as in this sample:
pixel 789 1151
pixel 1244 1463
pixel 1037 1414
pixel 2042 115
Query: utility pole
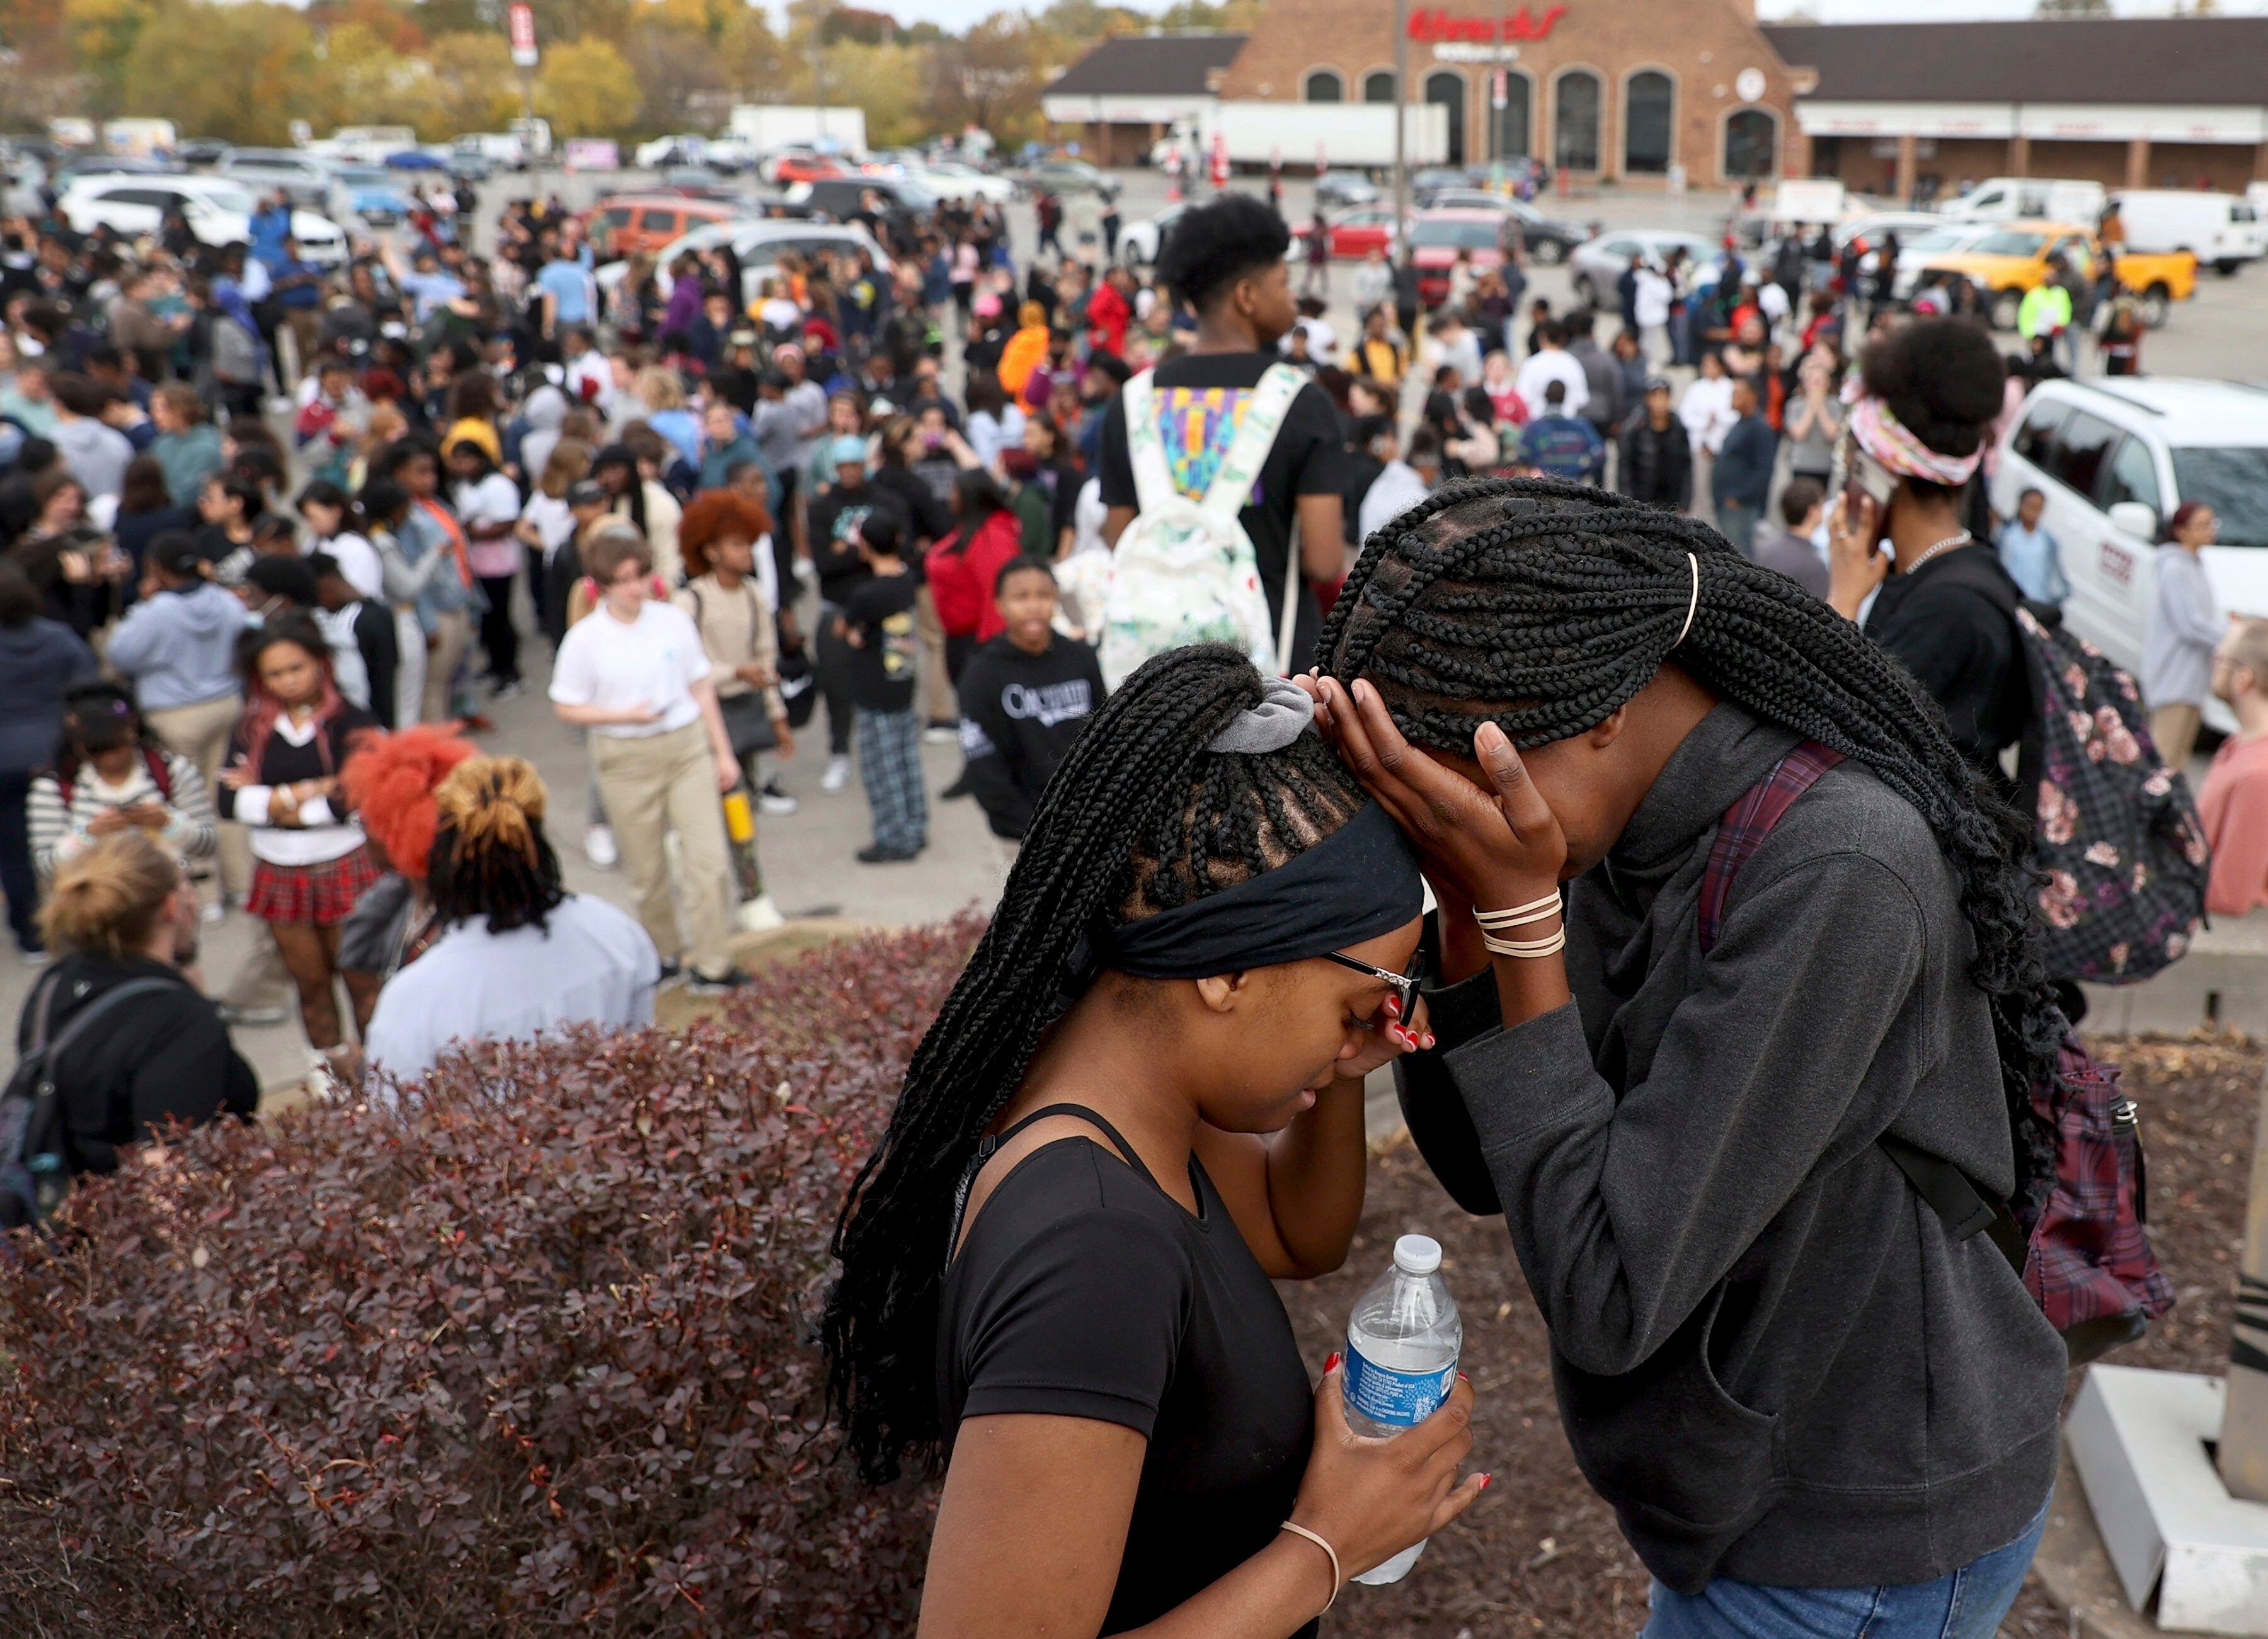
pixel 819 70
pixel 1402 126
pixel 2244 1418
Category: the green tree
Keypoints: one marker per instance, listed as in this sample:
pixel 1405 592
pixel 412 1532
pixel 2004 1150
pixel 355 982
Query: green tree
pixel 240 72
pixel 586 89
pixel 476 87
pixel 366 81
pixel 102 35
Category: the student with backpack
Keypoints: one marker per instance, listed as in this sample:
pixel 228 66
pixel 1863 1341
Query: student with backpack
pixel 1794 958
pixel 113 1040
pixel 1227 431
pixel 110 774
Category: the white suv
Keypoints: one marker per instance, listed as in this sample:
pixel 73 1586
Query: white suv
pixel 2114 456
pixel 218 211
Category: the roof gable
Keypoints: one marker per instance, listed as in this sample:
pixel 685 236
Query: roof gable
pixel 1148 65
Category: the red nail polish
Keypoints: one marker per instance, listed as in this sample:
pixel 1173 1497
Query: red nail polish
pixel 1462 1377
pixel 1331 1364
pixel 1487 1480
pixel 1394 1005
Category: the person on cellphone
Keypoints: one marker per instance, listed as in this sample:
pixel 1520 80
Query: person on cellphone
pixel 1141 1102
pixel 1816 1407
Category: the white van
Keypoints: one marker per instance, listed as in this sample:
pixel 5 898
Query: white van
pixel 2217 228
pixel 2030 199
pixel 372 144
pixel 2114 457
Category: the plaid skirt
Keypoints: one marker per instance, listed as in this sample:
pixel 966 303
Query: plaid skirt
pixel 319 894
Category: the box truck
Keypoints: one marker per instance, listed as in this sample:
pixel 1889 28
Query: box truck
pixel 765 126
pixel 1304 134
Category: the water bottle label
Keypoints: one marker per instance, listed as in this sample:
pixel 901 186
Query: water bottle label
pixel 1400 1398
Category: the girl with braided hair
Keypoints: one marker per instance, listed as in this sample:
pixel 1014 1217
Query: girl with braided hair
pixel 1141 1101
pixel 517 954
pixel 1817 1408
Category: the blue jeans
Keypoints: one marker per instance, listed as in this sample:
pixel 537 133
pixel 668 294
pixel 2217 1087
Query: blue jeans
pixel 1965 1604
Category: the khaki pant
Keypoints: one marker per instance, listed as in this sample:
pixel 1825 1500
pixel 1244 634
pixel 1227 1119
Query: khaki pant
pixel 2175 728
pixel 452 631
pixel 652 785
pixel 939 704
pixel 200 732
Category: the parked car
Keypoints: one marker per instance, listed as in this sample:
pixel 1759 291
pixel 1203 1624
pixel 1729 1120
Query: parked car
pixel 2022 198
pixel 217 209
pixel 1598 263
pixel 2114 456
pixel 419 159
pixel 372 193
pixel 306 179
pixel 1139 242
pixel 951 179
pixel 1871 225
pixel 1543 239
pixel 2006 263
pixel 200 151
pixel 1344 187
pixel 686 149
pixel 1437 238
pixel 1067 176
pixel 1428 180
pixel 506 148
pixel 840 197
pixel 798 164
pixel 622 223
pixel 1354 233
pixel 758 241
pixel 2223 229
pixel 1916 252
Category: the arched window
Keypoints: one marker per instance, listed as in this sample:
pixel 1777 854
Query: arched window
pixel 1325 86
pixel 1512 119
pixel 1448 89
pixel 1649 102
pixel 1751 142
pixel 1575 121
pixel 1378 85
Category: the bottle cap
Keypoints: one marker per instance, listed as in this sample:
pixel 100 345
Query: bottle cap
pixel 1417 1254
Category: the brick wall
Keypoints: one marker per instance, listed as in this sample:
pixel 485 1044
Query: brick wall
pixel 1703 45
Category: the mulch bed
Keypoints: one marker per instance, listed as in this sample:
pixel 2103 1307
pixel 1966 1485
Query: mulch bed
pixel 1539 1553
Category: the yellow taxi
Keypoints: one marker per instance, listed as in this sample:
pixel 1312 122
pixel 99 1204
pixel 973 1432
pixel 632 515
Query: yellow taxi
pixel 2014 258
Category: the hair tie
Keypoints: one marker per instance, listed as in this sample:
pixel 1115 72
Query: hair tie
pixel 1693 602
pixel 1283 715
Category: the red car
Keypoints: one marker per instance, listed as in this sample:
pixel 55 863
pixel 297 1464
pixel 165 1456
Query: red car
pixel 1356 233
pixel 803 167
pixel 1436 237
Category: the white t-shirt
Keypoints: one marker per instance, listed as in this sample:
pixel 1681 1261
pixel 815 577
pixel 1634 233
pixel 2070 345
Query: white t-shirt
pixel 554 522
pixel 1707 409
pixel 1540 369
pixel 1393 492
pixel 652 661
pixel 1652 299
pixel 589 964
pixel 358 560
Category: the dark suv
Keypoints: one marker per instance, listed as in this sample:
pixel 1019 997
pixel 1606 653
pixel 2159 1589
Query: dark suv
pixel 840 197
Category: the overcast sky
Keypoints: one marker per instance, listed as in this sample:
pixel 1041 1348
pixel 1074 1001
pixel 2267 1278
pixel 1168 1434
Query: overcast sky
pixel 959 13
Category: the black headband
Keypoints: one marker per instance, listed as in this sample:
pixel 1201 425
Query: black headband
pixel 1356 884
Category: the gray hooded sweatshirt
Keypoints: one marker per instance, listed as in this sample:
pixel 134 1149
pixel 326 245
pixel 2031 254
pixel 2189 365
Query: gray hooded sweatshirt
pixel 180 647
pixel 1771 1356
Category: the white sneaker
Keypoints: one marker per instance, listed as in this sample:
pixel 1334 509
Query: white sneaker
pixel 598 847
pixel 774 801
pixel 837 775
pixel 218 911
pixel 940 734
pixel 761 915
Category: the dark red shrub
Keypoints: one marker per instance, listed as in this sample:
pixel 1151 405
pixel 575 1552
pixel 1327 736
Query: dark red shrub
pixel 534 1354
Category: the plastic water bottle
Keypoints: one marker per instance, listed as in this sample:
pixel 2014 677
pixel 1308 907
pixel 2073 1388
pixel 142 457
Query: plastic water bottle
pixel 1402 1342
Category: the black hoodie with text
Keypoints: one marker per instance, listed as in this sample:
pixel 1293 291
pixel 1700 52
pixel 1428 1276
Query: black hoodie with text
pixel 1019 713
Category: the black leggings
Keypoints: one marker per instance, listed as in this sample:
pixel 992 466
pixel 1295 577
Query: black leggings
pixel 831 661
pixel 498 635
pixel 17 879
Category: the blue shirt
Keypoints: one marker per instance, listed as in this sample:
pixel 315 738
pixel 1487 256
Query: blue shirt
pixel 270 227
pixel 1564 446
pixel 432 290
pixel 570 289
pixel 38 659
pixel 2034 562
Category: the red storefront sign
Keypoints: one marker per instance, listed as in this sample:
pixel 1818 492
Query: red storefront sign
pixel 1435 26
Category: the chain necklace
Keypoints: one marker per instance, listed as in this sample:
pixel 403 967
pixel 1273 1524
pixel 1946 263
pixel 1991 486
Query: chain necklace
pixel 1946 545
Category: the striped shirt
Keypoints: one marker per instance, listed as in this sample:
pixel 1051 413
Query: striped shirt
pixel 61 831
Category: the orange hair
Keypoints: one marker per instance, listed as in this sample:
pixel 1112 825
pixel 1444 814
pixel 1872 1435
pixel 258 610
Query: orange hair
pixel 715 513
pixel 391 783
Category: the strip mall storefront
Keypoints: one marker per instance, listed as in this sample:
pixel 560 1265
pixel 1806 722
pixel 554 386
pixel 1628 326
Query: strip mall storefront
pixel 1627 90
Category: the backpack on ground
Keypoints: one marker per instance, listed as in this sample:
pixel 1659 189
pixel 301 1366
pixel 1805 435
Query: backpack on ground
pixel 2117 839
pixel 1184 571
pixel 35 1163
pixel 2083 1255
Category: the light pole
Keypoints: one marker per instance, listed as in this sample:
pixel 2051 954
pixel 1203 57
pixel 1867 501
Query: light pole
pixel 1402 125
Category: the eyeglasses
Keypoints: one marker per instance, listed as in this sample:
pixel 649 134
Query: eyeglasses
pixel 1404 985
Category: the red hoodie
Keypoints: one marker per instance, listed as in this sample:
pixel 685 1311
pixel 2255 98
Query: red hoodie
pixel 1107 315
pixel 960 579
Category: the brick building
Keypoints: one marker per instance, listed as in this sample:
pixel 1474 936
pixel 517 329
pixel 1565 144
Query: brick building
pixel 1636 90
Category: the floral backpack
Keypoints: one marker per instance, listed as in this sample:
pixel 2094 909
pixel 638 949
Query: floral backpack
pixel 2117 841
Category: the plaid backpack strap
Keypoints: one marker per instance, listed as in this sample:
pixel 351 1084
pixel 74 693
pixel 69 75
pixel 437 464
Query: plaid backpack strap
pixel 1750 821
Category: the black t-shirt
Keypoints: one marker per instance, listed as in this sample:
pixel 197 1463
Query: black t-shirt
pixel 1952 624
pixel 1085 1290
pixel 880 610
pixel 834 517
pixel 1200 396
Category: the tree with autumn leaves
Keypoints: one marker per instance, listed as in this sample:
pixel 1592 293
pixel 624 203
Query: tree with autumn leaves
pixel 245 72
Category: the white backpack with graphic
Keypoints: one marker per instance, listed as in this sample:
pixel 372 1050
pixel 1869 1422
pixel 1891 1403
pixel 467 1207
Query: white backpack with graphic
pixel 1184 571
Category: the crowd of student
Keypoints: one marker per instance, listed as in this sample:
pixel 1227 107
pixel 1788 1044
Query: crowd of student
pixel 729 508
